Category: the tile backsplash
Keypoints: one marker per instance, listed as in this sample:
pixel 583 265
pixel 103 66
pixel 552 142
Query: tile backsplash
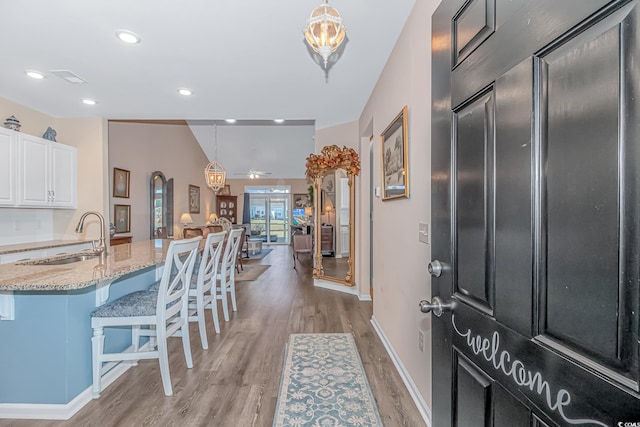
pixel 25 225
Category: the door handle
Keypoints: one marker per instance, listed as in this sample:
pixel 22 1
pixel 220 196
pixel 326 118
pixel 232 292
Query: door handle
pixel 435 268
pixel 435 306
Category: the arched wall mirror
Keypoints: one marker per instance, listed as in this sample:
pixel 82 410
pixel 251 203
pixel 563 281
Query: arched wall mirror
pixel 332 174
pixel 161 206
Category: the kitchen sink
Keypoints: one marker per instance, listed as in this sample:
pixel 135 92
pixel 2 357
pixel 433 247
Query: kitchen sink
pixel 68 259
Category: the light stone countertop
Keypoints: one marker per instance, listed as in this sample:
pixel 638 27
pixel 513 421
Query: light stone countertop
pixel 121 260
pixel 34 246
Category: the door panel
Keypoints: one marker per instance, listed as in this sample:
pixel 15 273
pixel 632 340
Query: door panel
pixel 581 195
pixel 473 126
pixel 509 411
pixel 473 394
pixel 533 26
pixel 535 212
pixel 471 26
pixel 514 207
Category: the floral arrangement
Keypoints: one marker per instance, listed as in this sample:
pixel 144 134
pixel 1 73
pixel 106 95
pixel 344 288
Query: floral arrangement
pixel 333 157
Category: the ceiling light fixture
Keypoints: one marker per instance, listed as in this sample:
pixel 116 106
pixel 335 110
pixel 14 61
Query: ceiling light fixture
pixel 278 120
pixel 324 31
pixel 214 173
pixel 230 120
pixel 184 91
pixel 128 37
pixel 89 101
pixel 35 74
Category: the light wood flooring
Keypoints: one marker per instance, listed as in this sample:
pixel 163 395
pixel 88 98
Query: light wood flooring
pixel 235 382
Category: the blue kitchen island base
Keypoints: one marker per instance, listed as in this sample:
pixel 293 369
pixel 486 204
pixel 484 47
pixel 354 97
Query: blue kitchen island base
pixel 46 351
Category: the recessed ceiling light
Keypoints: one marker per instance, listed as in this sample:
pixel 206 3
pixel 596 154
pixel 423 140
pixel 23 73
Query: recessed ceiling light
pixel 89 101
pixel 184 91
pixel 278 120
pixel 230 120
pixel 35 74
pixel 128 37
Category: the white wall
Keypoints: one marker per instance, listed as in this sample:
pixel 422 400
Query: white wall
pixel 143 148
pixel 400 278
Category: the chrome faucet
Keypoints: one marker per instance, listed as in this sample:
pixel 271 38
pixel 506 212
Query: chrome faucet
pixel 101 247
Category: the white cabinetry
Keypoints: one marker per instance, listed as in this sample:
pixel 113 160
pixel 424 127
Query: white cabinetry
pixel 46 173
pixel 64 170
pixel 8 144
pixel 33 171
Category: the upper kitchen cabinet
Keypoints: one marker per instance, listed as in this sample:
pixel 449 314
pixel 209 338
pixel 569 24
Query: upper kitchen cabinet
pixel 45 176
pixel 8 147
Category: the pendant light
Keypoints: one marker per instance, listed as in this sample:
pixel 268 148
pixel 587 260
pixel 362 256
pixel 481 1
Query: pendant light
pixel 214 173
pixel 324 31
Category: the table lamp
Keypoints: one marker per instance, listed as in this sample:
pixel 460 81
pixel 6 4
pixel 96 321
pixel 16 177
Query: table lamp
pixel 186 219
pixel 212 218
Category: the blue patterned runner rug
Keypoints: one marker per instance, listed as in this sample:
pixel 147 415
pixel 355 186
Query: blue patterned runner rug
pixel 324 384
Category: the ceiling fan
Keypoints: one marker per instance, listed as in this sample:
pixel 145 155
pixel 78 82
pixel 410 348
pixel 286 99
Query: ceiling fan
pixel 253 174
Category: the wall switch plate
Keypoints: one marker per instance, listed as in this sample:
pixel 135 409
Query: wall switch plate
pixel 377 191
pixel 421 341
pixel 423 233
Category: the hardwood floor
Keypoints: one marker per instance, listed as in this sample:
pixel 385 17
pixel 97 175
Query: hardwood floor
pixel 235 382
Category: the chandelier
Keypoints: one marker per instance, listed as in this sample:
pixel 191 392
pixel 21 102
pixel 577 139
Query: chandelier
pixel 324 31
pixel 214 173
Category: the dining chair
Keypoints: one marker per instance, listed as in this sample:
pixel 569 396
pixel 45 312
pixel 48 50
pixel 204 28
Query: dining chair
pixel 243 239
pixel 302 244
pixel 202 293
pixel 226 274
pixel 163 313
pixel 188 233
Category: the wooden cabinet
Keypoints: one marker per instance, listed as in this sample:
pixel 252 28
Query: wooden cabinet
pixel 326 240
pixel 119 240
pixel 227 207
pixel 44 176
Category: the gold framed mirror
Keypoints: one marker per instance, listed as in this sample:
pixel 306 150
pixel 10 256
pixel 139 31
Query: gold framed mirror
pixel 332 174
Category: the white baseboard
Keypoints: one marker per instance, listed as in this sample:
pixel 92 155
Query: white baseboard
pixel 351 290
pixel 326 284
pixel 424 410
pixel 62 411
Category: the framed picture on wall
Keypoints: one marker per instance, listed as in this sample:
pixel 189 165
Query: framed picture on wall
pixel 194 199
pixel 121 183
pixel 226 190
pixel 395 161
pixel 122 215
pixel 300 200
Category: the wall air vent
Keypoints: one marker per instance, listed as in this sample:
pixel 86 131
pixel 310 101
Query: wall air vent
pixel 69 76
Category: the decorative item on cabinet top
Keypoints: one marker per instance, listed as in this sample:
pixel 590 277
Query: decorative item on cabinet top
pixel 50 134
pixel 12 123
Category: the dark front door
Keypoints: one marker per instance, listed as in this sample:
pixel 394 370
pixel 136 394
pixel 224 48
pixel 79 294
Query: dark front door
pixel 536 213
